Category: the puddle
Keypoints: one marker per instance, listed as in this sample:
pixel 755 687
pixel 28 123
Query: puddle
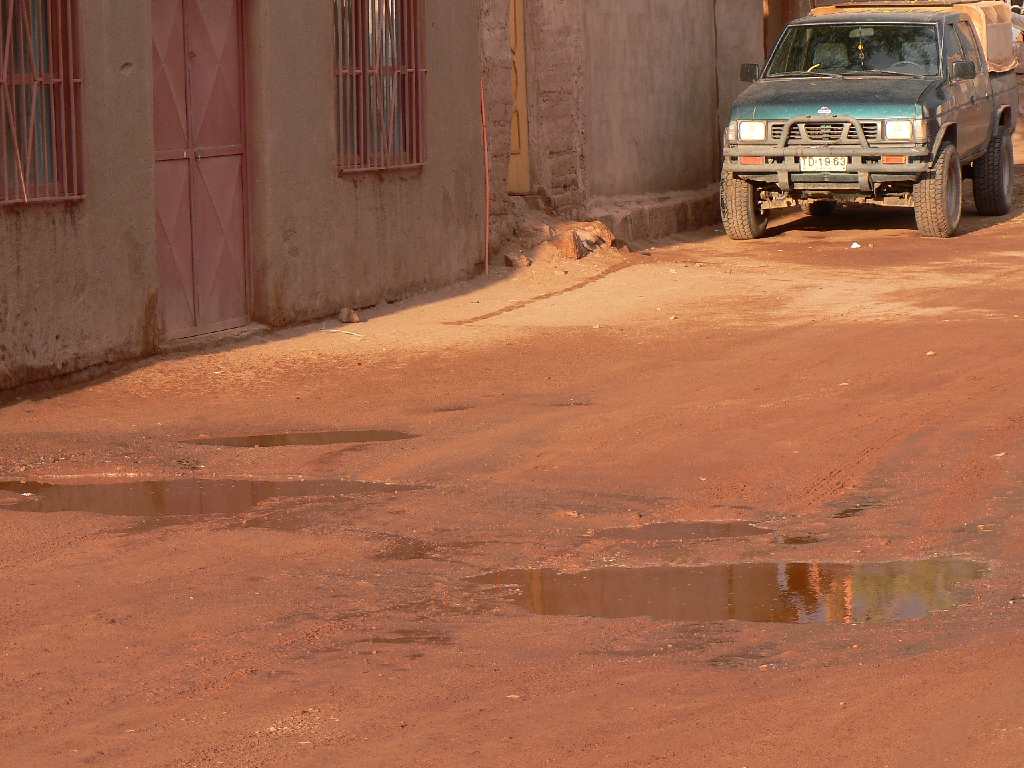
pixel 289 439
pixel 683 531
pixel 163 503
pixel 796 593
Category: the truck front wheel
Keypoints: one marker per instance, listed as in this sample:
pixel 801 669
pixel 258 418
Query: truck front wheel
pixel 993 177
pixel 741 211
pixel 938 199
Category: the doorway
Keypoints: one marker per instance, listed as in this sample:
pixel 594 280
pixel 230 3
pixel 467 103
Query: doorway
pixel 199 126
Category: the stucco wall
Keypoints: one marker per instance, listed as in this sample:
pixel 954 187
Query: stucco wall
pixel 555 55
pixel 496 62
pixel 652 106
pixel 740 41
pixel 320 242
pixel 78 282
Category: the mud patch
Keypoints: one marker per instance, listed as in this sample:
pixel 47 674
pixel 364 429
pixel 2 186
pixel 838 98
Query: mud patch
pixel 847 510
pixel 672 532
pixel 163 503
pixel 793 593
pixel 801 540
pixel 744 658
pixel 292 439
pixel 401 548
pixel 405 548
pixel 411 637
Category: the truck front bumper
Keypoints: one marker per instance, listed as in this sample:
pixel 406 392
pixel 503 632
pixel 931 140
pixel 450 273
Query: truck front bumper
pixel 865 169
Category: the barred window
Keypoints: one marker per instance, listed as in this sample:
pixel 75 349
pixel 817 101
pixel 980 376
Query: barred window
pixel 40 102
pixel 380 76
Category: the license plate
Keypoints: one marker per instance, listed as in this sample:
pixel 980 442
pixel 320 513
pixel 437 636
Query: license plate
pixel 822 164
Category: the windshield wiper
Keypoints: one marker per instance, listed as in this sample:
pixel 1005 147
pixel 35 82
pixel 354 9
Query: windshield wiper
pixel 887 72
pixel 804 74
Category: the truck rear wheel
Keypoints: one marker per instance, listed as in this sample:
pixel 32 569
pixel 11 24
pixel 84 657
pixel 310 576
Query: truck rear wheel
pixel 993 177
pixel 741 211
pixel 938 199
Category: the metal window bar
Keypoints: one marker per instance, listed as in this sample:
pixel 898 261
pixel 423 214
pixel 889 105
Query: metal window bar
pixel 381 76
pixel 40 102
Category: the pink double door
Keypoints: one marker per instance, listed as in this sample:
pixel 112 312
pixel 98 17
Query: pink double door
pixel 199 125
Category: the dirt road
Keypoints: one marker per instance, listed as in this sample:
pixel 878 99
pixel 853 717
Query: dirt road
pixel 808 456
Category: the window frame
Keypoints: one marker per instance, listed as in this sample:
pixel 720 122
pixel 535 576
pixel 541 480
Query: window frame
pixel 379 108
pixel 53 103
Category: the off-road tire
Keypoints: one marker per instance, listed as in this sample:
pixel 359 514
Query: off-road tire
pixel 938 198
pixel 741 212
pixel 819 208
pixel 993 177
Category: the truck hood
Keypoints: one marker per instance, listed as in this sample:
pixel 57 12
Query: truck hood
pixel 858 97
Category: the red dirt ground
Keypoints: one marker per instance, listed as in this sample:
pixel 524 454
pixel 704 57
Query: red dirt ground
pixel 774 382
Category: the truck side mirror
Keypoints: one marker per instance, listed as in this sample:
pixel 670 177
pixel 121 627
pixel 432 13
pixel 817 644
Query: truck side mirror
pixel 964 70
pixel 749 72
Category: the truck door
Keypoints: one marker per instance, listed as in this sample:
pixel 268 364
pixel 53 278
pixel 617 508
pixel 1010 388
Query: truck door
pixel 975 123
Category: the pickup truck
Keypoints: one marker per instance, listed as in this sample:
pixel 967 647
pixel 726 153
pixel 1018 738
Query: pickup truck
pixel 894 105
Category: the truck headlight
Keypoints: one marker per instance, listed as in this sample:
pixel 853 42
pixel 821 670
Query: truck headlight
pixel 899 130
pixel 753 130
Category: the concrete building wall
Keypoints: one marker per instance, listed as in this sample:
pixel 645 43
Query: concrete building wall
pixel 78 282
pixel 652 101
pixel 321 242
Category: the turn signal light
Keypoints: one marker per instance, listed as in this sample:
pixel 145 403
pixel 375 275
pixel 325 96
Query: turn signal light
pixel 894 159
pixel 751 161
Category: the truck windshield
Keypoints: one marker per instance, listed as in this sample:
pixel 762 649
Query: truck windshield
pixel 857 49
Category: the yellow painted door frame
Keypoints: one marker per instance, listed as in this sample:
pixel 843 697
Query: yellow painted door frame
pixel 519 154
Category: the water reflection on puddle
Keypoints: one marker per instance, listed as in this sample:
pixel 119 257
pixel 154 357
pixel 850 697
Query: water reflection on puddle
pixel 162 503
pixel 683 531
pixel 288 439
pixel 795 593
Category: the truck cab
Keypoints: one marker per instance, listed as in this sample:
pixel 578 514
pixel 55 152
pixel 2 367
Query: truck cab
pixel 894 103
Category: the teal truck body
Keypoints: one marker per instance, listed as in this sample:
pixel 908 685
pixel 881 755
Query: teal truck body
pixel 895 106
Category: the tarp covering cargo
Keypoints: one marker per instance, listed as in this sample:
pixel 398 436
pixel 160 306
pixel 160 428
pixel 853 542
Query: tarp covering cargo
pixel 992 20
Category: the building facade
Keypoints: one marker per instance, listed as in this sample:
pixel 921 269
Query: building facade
pixel 172 168
pixel 597 103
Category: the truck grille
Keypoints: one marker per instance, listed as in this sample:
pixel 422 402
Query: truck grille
pixel 837 132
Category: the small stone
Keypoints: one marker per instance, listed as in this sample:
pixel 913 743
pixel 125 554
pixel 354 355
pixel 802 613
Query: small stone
pixel 349 315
